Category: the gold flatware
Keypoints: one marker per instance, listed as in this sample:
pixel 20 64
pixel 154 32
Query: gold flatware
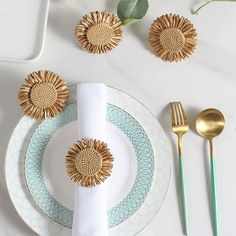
pixel 209 124
pixel 180 127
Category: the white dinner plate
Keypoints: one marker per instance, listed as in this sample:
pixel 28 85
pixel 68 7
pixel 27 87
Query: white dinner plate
pixel 41 191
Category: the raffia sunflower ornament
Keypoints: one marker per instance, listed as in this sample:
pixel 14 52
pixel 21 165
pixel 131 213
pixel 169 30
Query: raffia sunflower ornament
pixel 89 162
pixel 172 37
pixel 99 32
pixel 43 95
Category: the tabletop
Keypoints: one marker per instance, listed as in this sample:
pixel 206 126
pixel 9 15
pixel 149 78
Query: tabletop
pixel 206 79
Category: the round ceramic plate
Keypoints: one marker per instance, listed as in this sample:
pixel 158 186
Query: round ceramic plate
pixel 132 205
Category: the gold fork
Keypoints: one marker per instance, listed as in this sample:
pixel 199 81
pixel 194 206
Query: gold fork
pixel 180 127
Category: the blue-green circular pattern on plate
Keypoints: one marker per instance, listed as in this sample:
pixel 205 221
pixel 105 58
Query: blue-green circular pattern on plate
pixel 134 199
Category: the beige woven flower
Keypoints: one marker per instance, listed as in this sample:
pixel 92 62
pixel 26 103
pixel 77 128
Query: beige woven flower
pixel 172 37
pixel 43 95
pixel 99 32
pixel 89 162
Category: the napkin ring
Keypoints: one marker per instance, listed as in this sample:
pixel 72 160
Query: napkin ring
pixel 43 95
pixel 172 37
pixel 99 32
pixel 89 162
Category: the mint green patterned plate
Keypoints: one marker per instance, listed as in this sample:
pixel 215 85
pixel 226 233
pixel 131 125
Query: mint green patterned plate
pixel 145 166
pixel 139 215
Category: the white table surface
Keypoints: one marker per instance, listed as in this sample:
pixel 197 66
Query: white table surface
pixel 207 79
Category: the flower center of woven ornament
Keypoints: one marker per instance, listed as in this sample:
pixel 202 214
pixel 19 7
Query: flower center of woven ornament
pixel 172 39
pixel 43 95
pixel 88 162
pixel 100 34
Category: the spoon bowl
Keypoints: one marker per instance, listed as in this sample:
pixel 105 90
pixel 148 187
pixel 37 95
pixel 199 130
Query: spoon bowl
pixel 210 123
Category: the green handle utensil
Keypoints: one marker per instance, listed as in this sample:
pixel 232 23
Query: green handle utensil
pixel 213 189
pixel 209 124
pixel 180 127
pixel 183 196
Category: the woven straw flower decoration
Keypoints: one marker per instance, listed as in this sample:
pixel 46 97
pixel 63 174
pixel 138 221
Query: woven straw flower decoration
pixel 43 95
pixel 172 37
pixel 89 162
pixel 99 32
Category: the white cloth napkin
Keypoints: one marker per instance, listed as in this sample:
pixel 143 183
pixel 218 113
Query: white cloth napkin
pixel 90 210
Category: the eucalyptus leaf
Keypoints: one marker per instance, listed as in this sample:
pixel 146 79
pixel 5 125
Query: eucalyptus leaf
pixel 129 21
pixel 130 11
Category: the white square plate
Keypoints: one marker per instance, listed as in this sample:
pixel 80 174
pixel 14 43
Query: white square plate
pixel 23 26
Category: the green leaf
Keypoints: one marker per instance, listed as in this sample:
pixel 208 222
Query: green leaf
pixel 129 21
pixel 130 11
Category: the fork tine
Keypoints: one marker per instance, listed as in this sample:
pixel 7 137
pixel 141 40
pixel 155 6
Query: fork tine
pixel 184 115
pixel 174 114
pixel 177 113
pixel 180 112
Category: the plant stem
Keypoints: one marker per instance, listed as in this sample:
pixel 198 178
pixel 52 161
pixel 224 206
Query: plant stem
pixel 203 5
pixel 207 2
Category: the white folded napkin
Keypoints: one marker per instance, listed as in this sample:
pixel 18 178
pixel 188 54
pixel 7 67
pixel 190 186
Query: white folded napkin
pixel 90 210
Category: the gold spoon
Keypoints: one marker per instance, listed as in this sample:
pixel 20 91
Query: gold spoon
pixel 209 124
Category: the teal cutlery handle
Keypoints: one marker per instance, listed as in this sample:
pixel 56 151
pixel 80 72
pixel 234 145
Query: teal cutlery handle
pixel 183 196
pixel 214 196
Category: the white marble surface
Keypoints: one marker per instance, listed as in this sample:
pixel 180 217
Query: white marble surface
pixel 207 79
